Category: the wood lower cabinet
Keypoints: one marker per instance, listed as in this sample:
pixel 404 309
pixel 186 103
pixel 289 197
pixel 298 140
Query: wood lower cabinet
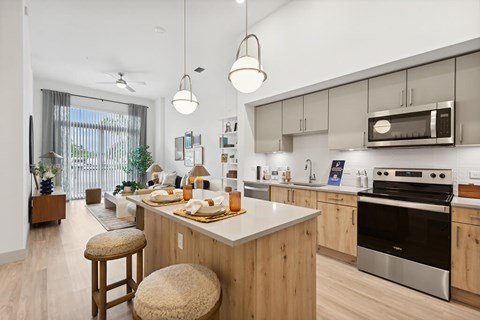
pixel 294 196
pixel 48 207
pixel 337 224
pixel 466 250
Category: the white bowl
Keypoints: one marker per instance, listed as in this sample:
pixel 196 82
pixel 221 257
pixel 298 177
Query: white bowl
pixel 212 210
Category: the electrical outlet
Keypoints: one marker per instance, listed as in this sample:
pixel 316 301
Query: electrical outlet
pixel 180 241
pixel 474 174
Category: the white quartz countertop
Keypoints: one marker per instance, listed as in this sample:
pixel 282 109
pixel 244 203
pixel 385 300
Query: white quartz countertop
pixel 262 218
pixel 466 202
pixel 326 188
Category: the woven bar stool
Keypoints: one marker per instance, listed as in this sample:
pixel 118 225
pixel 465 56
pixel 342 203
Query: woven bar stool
pixel 179 292
pixel 108 246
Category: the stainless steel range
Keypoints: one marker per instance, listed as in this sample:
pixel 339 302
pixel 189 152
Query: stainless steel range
pixel 404 228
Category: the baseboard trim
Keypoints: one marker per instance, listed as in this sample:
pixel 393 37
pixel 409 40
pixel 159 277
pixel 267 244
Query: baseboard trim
pixel 465 297
pixel 337 255
pixel 13 256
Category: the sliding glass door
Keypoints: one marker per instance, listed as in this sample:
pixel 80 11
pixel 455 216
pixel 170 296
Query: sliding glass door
pixel 98 150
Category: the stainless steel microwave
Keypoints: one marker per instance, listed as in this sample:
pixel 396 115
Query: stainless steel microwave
pixel 432 124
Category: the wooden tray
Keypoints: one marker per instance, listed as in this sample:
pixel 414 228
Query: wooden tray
pixel 469 191
pixel 207 219
pixel 162 204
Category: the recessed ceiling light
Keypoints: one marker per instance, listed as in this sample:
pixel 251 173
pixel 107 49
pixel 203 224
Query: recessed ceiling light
pixel 199 69
pixel 159 29
pixel 240 1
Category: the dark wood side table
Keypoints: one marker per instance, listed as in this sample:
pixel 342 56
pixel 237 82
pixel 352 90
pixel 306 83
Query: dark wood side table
pixel 48 207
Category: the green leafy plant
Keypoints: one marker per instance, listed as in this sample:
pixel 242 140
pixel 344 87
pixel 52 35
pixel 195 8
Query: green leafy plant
pixel 139 161
pixel 132 184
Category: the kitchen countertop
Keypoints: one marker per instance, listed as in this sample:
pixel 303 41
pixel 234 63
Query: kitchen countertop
pixel 262 218
pixel 326 188
pixel 466 202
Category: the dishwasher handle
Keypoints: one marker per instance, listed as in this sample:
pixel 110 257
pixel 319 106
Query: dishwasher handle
pixel 256 189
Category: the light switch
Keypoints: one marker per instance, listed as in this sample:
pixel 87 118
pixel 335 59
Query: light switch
pixel 474 174
pixel 180 241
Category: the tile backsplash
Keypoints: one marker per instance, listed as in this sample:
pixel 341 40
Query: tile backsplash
pixel 461 160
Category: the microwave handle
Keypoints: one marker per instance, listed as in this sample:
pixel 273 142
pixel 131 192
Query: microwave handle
pixel 433 123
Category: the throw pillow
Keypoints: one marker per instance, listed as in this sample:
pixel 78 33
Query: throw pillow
pixel 169 178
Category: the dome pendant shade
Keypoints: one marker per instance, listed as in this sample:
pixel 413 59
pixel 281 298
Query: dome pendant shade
pixel 185 102
pixel 247 74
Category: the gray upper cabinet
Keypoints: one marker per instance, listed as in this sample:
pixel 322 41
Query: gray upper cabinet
pixel 268 129
pixel 293 115
pixel 431 83
pixel 306 114
pixel 315 112
pixel 467 102
pixel 387 92
pixel 347 116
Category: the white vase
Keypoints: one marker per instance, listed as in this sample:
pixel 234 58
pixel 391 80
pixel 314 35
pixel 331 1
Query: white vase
pixel 127 189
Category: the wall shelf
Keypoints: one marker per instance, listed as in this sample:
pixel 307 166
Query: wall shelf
pixel 228 138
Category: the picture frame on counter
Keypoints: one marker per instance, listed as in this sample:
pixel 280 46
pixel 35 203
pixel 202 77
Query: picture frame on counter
pixel 189 158
pixel 198 155
pixel 179 149
pixel 188 139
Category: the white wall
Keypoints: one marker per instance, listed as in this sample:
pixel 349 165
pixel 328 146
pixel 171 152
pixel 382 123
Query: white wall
pixel 15 90
pixel 89 103
pixel 308 42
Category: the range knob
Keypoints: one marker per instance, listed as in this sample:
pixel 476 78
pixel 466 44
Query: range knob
pixel 433 175
pixel 386 173
pixel 379 173
pixel 442 175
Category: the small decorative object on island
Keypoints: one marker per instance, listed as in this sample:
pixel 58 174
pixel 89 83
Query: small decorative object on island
pixel 127 187
pixel 187 192
pixel 46 174
pixel 235 201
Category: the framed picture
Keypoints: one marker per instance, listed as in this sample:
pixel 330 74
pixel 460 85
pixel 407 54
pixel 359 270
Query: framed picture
pixel 179 150
pixel 188 139
pixel 198 155
pixel 197 139
pixel 189 158
pixel 224 157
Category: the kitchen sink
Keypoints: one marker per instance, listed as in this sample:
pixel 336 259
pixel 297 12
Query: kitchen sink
pixel 306 184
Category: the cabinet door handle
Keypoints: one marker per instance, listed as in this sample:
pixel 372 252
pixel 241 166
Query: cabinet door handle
pixel 288 195
pixel 401 97
pixel 410 98
pixel 336 199
pixel 353 217
pixel 475 217
pixel 279 145
pixel 363 138
pixel 305 124
pixel 461 132
pixel 293 196
pixel 458 235
pixel 300 124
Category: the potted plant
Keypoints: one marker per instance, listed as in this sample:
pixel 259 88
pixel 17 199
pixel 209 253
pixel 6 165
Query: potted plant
pixel 140 160
pixel 127 187
pixel 46 172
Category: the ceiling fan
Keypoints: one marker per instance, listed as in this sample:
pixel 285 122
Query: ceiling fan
pixel 121 83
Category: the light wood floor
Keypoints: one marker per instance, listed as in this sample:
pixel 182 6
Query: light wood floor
pixel 54 283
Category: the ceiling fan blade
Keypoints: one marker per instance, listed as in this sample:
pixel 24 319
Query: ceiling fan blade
pixel 143 83
pixel 105 82
pixel 129 88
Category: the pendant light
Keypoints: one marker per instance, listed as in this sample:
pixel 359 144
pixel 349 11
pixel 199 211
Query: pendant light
pixel 184 100
pixel 247 74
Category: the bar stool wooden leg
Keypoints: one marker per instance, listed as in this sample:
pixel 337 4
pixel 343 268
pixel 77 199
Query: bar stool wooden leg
pixel 94 286
pixel 129 272
pixel 139 267
pixel 102 299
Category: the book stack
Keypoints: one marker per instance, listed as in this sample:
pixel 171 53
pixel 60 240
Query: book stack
pixel 232 174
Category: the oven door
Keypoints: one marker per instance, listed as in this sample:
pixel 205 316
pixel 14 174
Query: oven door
pixel 409 230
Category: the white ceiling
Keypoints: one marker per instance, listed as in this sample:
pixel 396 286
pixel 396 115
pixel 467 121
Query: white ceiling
pixel 79 41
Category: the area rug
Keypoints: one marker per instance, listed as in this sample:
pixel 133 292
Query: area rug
pixel 108 217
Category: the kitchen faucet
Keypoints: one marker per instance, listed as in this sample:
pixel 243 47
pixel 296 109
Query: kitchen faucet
pixel 311 177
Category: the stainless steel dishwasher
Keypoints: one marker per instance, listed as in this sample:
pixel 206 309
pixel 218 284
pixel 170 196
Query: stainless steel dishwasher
pixel 256 190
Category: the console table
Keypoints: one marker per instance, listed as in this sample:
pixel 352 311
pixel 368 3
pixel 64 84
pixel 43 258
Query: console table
pixel 48 207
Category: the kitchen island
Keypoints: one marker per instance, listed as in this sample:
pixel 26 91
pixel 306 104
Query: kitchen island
pixel 265 258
